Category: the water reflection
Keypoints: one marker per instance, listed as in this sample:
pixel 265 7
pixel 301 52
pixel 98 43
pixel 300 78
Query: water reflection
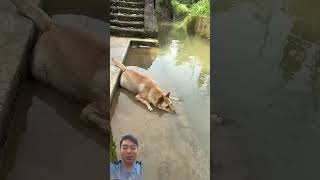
pixel 267 75
pixel 293 57
pixel 187 50
pixel 301 50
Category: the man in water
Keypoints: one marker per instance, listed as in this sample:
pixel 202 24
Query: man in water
pixel 127 168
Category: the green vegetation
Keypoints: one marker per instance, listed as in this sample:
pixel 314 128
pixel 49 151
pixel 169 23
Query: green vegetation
pixel 113 148
pixel 197 25
pixel 201 8
pixel 180 10
pixel 183 8
pixel 190 23
pixel 192 17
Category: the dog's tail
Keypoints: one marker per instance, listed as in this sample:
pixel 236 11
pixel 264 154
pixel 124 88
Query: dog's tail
pixel 37 15
pixel 119 65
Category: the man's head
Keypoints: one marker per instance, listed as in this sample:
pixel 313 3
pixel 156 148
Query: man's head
pixel 128 148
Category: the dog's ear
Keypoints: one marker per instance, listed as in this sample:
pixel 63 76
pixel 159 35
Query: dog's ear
pixel 168 95
pixel 160 100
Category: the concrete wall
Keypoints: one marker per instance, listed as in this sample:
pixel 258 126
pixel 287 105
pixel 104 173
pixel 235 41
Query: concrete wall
pixel 150 20
pixel 98 9
pixel 15 43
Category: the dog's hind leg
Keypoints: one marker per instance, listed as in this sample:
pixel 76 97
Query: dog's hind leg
pixel 92 113
pixel 139 98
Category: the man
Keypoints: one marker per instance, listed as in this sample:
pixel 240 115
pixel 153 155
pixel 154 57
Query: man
pixel 127 168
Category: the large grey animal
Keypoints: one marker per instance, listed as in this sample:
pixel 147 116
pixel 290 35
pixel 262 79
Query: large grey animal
pixel 74 62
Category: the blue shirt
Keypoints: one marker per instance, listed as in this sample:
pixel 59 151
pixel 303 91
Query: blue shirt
pixel 118 171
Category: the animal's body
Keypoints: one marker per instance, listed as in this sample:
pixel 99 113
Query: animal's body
pixel 146 89
pixel 73 62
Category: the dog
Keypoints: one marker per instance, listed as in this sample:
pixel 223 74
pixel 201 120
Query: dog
pixel 73 62
pixel 148 92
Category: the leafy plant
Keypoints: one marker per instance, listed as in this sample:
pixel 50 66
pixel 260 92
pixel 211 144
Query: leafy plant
pixel 201 8
pixel 181 10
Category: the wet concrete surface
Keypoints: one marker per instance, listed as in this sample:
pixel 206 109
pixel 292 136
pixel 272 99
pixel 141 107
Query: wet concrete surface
pixel 266 65
pixel 47 140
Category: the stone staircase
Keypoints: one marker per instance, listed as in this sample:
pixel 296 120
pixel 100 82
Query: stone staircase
pixel 128 18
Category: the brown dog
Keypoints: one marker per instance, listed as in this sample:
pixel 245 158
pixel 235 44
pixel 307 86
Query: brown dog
pixel 146 89
pixel 71 61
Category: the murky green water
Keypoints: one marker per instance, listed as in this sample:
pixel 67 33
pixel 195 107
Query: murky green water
pixel 172 146
pixel 183 66
pixel 266 61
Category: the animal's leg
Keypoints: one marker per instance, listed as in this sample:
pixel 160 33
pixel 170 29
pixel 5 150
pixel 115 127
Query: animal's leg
pixel 139 98
pixel 93 113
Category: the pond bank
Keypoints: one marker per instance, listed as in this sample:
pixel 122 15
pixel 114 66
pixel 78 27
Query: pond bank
pixel 197 25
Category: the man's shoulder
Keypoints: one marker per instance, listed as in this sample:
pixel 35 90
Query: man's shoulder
pixel 115 169
pixel 116 162
pixel 138 166
pixel 119 162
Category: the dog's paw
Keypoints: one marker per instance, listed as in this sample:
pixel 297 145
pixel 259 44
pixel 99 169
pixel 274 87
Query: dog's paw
pixel 150 108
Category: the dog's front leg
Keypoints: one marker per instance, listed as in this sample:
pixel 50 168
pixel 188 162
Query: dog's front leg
pixel 139 98
pixel 92 113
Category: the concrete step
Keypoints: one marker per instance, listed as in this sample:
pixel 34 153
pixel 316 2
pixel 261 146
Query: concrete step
pixel 127 32
pixel 127 4
pixel 126 17
pixel 126 10
pixel 132 32
pixel 136 24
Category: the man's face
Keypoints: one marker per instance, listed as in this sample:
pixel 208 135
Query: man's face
pixel 128 151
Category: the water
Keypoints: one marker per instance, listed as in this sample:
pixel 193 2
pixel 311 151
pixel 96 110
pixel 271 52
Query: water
pixel 47 140
pixel 171 146
pixel 266 62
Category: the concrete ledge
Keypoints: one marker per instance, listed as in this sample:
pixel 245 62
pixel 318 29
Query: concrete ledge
pixel 118 50
pixel 16 43
pixel 149 43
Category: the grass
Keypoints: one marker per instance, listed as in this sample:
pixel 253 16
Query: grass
pixel 181 10
pixel 189 23
pixel 113 148
pixel 201 8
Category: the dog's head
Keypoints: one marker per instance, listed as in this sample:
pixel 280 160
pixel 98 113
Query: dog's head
pixel 165 103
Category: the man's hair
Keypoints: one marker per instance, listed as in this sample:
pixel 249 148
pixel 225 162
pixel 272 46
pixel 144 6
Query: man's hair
pixel 129 137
